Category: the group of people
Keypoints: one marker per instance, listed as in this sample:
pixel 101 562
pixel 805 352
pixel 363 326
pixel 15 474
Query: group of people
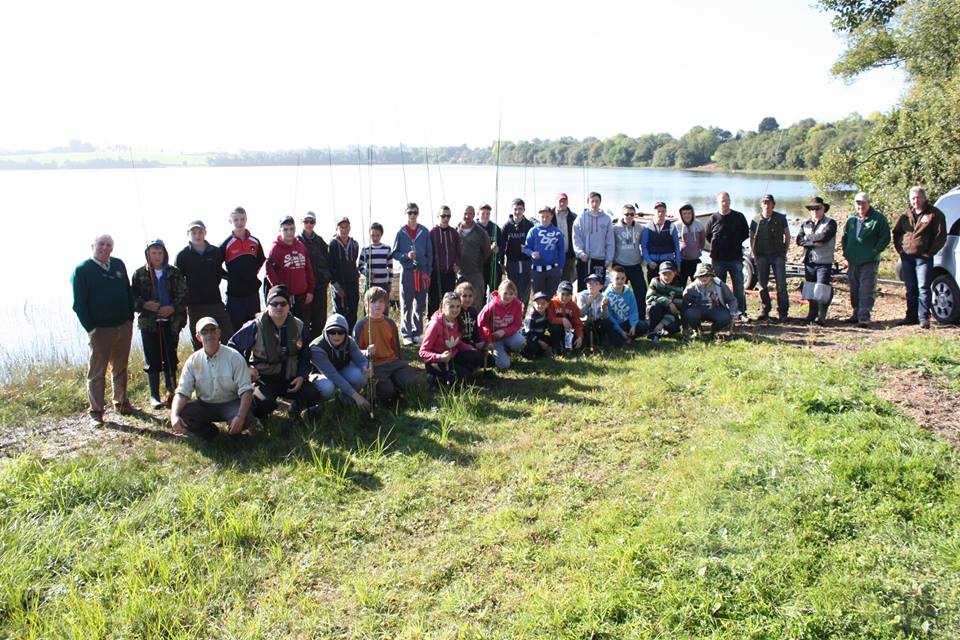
pixel 595 282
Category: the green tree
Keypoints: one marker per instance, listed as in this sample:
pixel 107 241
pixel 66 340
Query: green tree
pixel 768 124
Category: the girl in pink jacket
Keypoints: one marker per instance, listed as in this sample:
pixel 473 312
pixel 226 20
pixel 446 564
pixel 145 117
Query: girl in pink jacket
pixel 500 322
pixel 446 357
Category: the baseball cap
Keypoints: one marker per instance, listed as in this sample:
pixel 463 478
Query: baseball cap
pixel 540 295
pixel 768 197
pixel 342 219
pixel 287 220
pixel 310 215
pixel 565 287
pixel 204 322
pixel 196 224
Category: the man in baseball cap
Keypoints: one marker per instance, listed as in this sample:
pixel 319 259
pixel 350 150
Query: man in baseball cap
pixel 202 264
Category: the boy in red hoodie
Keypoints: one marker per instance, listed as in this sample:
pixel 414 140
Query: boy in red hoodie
pixel 500 323
pixel 289 265
pixel 564 317
pixel 446 357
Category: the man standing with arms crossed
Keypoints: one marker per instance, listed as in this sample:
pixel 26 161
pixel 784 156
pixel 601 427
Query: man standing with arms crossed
pixel 202 264
pixel 103 303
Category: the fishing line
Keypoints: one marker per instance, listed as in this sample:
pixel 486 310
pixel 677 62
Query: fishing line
pixel 296 186
pixel 333 200
pixel 136 188
pixel 403 169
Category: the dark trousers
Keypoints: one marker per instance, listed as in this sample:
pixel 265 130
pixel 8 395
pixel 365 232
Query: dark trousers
pixel 491 278
pixel 301 310
pixel 242 308
pixel 687 269
pixel 546 281
pixel 584 269
pixel 441 283
pixel 718 317
pixel 659 313
pixel 614 337
pixel 216 311
pixel 160 349
pixel 269 388
pixel 776 262
pixel 461 366
pixel 819 273
pixel 595 333
pixel 638 285
pixel 318 309
pixel 348 305
pixel 199 416
pixel 518 271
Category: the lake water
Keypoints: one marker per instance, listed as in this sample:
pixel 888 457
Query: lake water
pixel 50 217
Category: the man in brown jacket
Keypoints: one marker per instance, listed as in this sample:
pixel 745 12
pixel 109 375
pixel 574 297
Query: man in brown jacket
pixel 917 236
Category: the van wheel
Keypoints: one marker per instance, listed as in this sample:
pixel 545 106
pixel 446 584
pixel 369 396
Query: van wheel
pixel 749 274
pixel 945 299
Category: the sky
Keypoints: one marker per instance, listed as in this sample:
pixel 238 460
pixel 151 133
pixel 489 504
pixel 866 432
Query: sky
pixel 210 75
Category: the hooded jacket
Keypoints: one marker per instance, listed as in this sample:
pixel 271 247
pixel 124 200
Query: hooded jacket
pixel 290 265
pixel 497 316
pixel 441 336
pixel 422 244
pixel 169 288
pixel 693 239
pixel 661 242
pixel 548 241
pixel 595 310
pixel 515 235
pixel 319 254
pixel 557 311
pixel 622 306
pixel 343 265
pixel 714 295
pixel 329 360
pixel 628 248
pixel 446 248
pixel 867 245
pixel 593 235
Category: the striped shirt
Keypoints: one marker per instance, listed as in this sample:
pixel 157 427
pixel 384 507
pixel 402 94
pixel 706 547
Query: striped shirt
pixel 381 265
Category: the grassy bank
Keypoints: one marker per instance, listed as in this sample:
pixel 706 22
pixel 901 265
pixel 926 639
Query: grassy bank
pixel 740 490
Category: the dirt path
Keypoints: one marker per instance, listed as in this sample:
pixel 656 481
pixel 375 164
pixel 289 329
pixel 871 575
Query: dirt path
pixel 929 403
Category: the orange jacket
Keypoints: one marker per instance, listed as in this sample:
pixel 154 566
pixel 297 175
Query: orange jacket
pixel 557 311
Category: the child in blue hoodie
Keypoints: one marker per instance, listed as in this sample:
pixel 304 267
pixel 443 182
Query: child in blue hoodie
pixel 545 246
pixel 622 308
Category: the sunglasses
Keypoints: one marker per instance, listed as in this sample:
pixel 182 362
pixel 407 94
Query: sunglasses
pixel 446 215
pixel 208 330
pixel 279 303
pixel 336 332
pixel 413 213
pixel 630 213
pixel 309 222
pixel 814 208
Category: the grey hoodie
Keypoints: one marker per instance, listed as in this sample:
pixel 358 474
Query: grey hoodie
pixel 593 235
pixel 328 359
pixel 628 252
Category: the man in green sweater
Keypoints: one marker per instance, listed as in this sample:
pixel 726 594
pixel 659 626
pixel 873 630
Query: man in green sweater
pixel 104 305
pixel 865 236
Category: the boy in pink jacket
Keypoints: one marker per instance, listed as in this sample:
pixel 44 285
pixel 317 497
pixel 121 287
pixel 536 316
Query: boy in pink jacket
pixel 500 322
pixel 446 357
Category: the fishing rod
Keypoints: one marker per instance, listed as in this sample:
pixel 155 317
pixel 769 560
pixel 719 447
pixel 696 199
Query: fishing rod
pixel 495 259
pixel 434 277
pixel 296 186
pixel 333 199
pixel 136 188
pixel 403 169
pixel 366 265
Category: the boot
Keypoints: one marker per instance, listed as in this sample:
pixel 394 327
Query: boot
pixel 171 383
pixel 812 308
pixel 822 313
pixel 153 380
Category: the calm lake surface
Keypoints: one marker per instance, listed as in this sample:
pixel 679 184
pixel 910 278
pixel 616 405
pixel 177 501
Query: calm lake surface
pixel 50 217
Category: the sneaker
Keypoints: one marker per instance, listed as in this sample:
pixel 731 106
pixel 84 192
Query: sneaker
pixel 417 339
pixel 924 324
pixel 407 342
pixel 764 317
pixel 743 318
pixel 157 403
pixel 655 338
pixel 96 418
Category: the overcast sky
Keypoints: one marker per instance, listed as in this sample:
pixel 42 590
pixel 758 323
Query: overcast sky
pixel 209 75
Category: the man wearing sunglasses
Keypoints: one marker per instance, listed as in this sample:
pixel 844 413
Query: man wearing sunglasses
pixel 276 346
pixel 218 376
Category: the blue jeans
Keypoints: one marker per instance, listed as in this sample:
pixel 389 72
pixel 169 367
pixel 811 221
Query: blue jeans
pixel 735 268
pixel 351 373
pixel 916 277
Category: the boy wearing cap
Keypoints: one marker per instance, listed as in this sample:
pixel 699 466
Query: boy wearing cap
pixel 104 306
pixel 413 249
pixel 446 260
pixel 536 329
pixel 202 264
pixel 289 265
pixel 594 312
pixel 319 254
pixel 242 257
pixel 664 302
pixel 769 239
pixel 564 316
pixel 160 296
pixel 563 219
pixel 593 241
pixel 628 253
pixel 493 269
pixel 660 241
pixel 218 376
pixel 518 263
pixel 544 245
pixel 377 335
pixel 708 299
pixel 622 309
pixel 344 276
pixel 818 237
pixel 865 236
pixel 278 351
pixel 338 362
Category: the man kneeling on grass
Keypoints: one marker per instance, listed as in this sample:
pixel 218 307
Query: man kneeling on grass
pixel 277 346
pixel 218 375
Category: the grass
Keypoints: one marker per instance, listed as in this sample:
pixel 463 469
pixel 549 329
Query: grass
pixel 736 490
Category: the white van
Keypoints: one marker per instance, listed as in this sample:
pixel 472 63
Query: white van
pixel 945 294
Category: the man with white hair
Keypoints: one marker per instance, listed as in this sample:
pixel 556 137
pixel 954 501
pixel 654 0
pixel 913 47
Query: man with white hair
pixel 865 236
pixel 918 235
pixel 103 303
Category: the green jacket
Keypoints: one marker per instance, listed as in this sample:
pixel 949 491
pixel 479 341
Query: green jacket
pixel 873 239
pixel 143 291
pixel 101 297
